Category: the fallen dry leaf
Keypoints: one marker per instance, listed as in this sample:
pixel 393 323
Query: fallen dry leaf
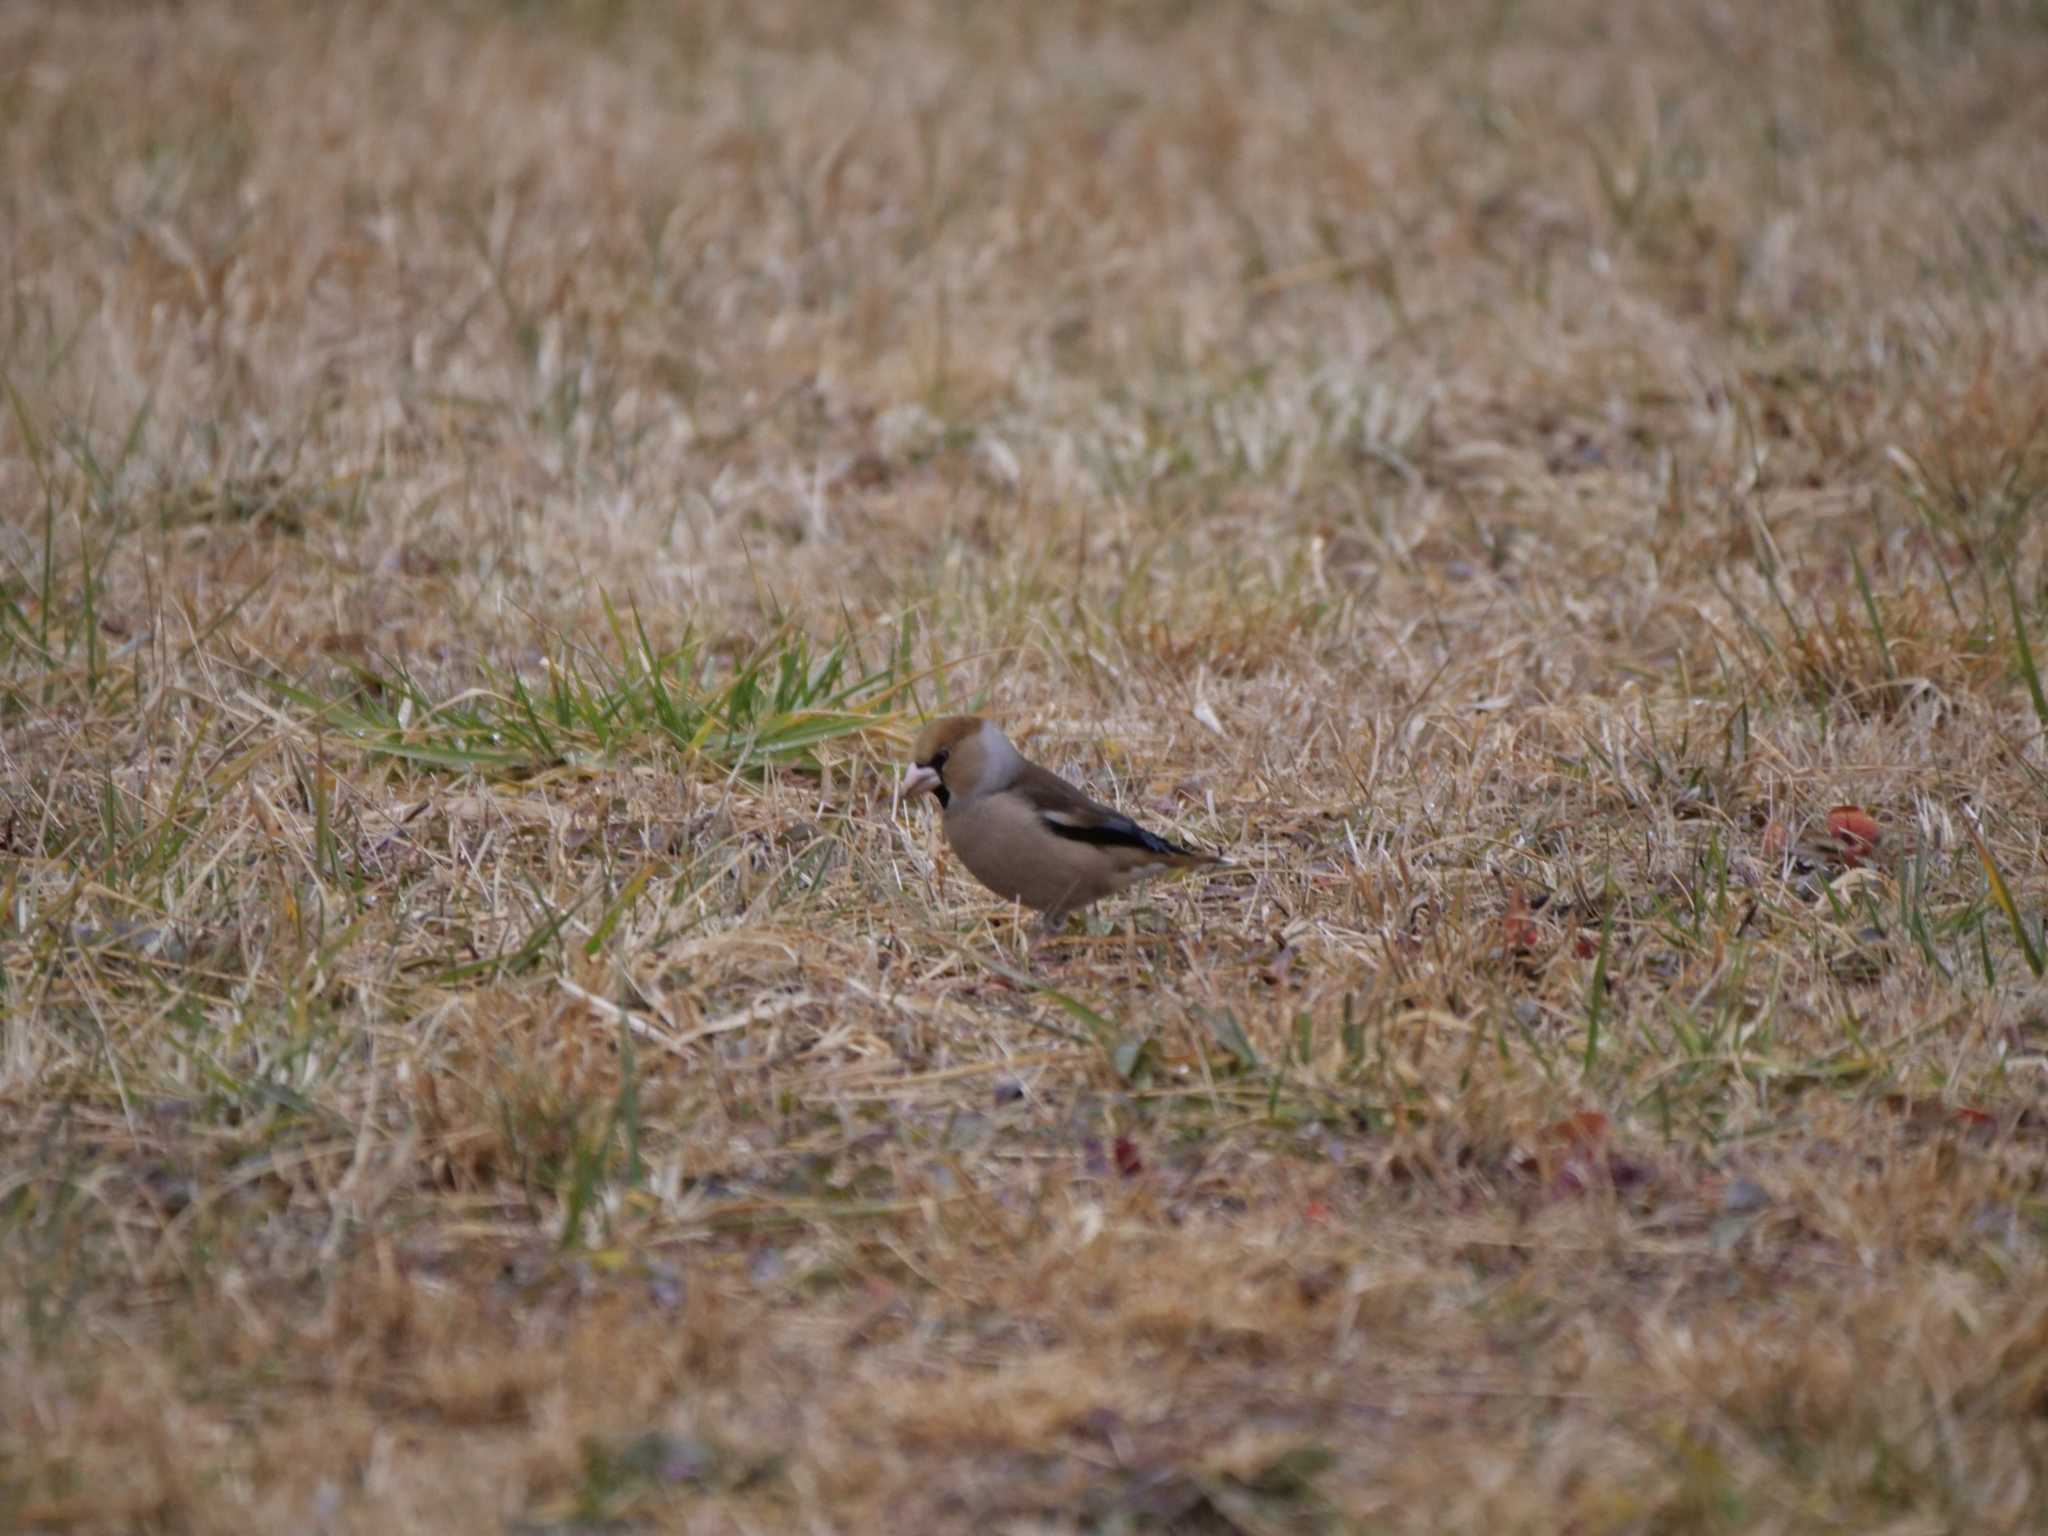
pixel 1587 1128
pixel 1855 833
pixel 1128 1162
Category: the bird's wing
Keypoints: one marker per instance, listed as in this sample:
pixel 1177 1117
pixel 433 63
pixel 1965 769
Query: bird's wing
pixel 1065 811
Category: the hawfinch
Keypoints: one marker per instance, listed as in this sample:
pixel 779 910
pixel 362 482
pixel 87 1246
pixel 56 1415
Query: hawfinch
pixel 1025 832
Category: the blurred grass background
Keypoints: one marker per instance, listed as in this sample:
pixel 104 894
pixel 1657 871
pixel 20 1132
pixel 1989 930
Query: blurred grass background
pixel 1556 491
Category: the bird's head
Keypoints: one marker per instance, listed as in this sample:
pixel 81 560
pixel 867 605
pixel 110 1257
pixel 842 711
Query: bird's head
pixel 962 755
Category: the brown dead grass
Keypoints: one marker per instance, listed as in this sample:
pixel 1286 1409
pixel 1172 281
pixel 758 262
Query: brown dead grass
pixel 1504 473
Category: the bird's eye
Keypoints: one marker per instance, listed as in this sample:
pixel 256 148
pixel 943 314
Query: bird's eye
pixel 938 762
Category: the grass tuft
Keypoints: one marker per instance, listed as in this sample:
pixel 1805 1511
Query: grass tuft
pixel 777 705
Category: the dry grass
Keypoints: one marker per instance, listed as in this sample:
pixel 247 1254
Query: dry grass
pixel 485 491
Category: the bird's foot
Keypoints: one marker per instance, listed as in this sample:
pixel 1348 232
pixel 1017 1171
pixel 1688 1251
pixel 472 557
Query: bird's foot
pixel 1045 937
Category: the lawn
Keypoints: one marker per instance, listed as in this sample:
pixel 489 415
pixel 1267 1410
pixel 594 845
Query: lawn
pixel 1557 493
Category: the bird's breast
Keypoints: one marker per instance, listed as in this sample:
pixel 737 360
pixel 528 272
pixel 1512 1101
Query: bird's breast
pixel 1005 846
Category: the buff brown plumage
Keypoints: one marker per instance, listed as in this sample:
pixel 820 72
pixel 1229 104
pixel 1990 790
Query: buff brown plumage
pixel 1026 833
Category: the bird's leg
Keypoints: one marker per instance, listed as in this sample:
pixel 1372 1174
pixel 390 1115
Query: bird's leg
pixel 1049 927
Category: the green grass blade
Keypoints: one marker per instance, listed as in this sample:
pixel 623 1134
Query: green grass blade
pixel 2024 651
pixel 1884 645
pixel 2001 893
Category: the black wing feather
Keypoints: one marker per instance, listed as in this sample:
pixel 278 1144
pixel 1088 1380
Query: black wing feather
pixel 1113 831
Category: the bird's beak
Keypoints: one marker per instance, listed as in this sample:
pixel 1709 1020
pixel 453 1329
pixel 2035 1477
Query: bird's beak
pixel 918 778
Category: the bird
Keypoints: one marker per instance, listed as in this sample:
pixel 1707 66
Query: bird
pixel 1025 832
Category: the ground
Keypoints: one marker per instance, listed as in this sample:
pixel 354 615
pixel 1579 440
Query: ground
pixel 1554 492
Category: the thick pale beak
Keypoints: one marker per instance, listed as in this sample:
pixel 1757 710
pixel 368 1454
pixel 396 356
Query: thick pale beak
pixel 917 779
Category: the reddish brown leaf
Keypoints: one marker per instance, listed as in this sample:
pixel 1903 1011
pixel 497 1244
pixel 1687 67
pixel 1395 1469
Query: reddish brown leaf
pixel 1128 1163
pixel 1587 1128
pixel 1518 930
pixel 1777 838
pixel 1855 831
pixel 1931 1116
